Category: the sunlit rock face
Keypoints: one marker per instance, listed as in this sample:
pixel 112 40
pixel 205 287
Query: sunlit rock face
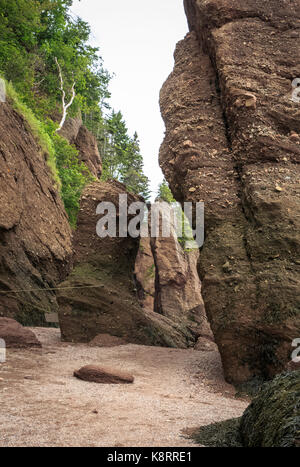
pixel 232 141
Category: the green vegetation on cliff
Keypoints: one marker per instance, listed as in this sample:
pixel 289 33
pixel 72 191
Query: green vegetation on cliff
pixel 35 35
pixel 74 175
pixel 165 193
pixel 37 129
pixel 32 34
pixel 69 174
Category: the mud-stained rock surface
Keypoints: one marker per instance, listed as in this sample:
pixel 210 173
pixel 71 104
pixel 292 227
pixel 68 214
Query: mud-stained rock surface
pixel 35 236
pixel 87 146
pixel 42 404
pixel 232 141
pixel 106 340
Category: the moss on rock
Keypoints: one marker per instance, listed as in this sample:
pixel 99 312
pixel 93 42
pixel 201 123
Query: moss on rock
pixel 273 418
pixel 219 435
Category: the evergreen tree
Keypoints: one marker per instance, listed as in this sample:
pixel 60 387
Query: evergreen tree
pixel 122 159
pixel 164 193
pixel 38 37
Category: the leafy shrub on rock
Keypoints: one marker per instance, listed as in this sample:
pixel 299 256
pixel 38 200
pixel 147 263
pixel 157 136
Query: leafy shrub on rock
pixel 74 175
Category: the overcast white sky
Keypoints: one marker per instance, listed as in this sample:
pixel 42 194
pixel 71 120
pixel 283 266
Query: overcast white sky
pixel 137 40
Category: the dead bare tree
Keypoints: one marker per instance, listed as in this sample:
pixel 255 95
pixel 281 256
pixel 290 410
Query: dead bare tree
pixel 64 105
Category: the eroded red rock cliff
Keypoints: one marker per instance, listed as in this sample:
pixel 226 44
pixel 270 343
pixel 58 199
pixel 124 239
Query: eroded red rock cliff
pixel 35 236
pixel 232 141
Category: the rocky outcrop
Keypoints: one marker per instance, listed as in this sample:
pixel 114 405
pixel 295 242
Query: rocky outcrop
pixel 88 151
pixel 99 296
pixel 166 275
pixel 16 336
pixel 232 141
pixel 96 374
pixel 35 236
pixel 144 273
pixel 177 284
pixel 273 418
pixel 85 142
pixel 71 129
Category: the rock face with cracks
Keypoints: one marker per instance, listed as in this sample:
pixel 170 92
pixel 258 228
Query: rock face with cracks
pixel 99 296
pixel 233 141
pixel 144 273
pixel 177 284
pixel 35 236
pixel 85 142
pixel 166 274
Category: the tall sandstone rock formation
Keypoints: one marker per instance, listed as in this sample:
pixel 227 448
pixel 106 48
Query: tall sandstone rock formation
pixel 177 284
pixel 166 276
pixel 144 273
pixel 35 236
pixel 232 141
